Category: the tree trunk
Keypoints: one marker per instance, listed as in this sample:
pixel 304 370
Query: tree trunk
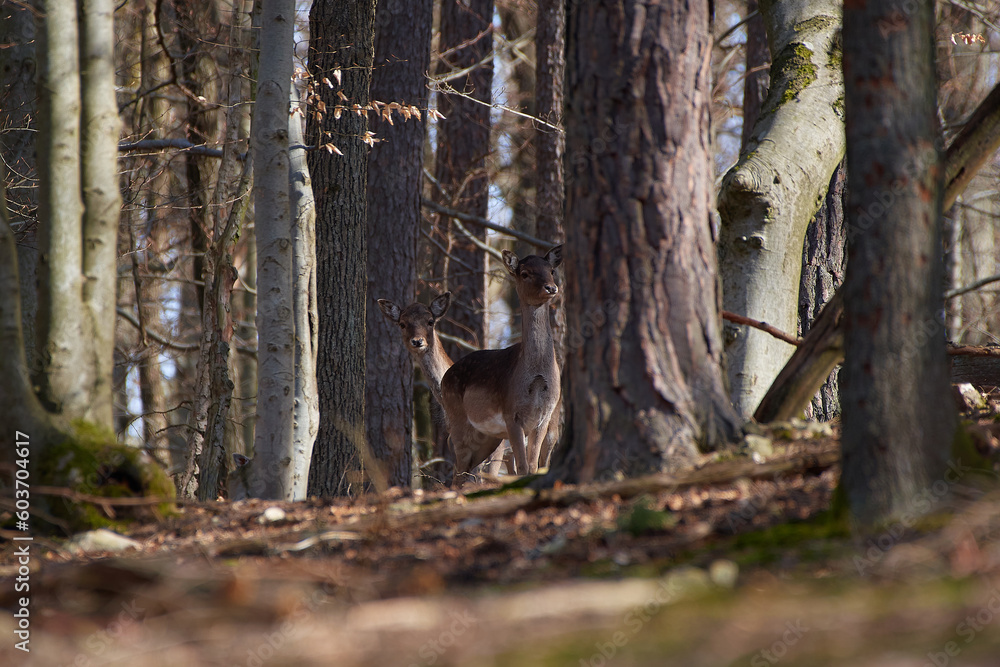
pixel 463 145
pixel 824 260
pixel 273 450
pixel 768 198
pixel 898 420
pixel 644 385
pixel 758 77
pixel 342 38
pixel 395 178
pixel 303 209
pixel 101 196
pixel 62 346
pixel 230 200
pixel 18 65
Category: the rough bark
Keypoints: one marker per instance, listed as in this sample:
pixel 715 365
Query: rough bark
pixel 758 77
pixel 230 200
pixel 303 209
pixel 342 37
pixel 17 118
pixel 898 421
pixel 643 374
pixel 460 167
pixel 768 198
pixel 20 409
pixel 273 451
pixel 824 261
pixel 395 177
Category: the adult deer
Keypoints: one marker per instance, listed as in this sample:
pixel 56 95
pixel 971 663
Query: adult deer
pixel 511 393
pixel 418 324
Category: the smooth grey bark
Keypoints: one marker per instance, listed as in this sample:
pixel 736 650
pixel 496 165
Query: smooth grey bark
pixel 64 375
pixel 768 198
pixel 899 421
pixel 273 450
pixel 101 127
pixel 303 209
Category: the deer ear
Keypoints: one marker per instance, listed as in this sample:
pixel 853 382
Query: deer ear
pixel 511 262
pixel 554 256
pixel 439 306
pixel 389 309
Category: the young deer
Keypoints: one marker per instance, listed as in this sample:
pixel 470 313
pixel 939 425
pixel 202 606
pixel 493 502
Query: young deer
pixel 490 395
pixel 420 336
pixel 418 324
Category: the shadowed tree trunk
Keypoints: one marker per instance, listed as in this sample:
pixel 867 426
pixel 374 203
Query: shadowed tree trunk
pixel 758 74
pixel 644 385
pixel 18 120
pixel 342 38
pixel 463 143
pixel 395 177
pixel 898 421
pixel 273 453
pixel 460 162
pixel 824 259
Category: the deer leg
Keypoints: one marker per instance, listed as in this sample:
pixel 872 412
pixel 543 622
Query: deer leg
pixel 516 434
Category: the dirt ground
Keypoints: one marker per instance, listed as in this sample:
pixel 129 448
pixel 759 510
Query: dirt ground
pixel 736 563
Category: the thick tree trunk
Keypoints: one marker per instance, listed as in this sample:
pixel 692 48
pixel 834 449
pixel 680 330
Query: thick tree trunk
pixel 643 373
pixel 395 178
pixel 769 197
pixel 898 421
pixel 273 452
pixel 342 38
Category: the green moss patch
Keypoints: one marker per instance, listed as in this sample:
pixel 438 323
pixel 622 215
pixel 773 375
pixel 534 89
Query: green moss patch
pixel 91 462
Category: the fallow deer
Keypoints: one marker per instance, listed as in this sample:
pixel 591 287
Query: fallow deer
pixel 418 324
pixel 511 393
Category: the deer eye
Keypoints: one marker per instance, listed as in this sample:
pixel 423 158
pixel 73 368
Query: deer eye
pixel 430 323
pixel 524 275
pixel 402 326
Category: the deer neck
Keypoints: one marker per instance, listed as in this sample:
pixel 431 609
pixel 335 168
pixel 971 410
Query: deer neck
pixel 434 363
pixel 536 335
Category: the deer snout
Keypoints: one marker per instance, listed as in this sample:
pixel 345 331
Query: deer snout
pixel 417 343
pixel 552 289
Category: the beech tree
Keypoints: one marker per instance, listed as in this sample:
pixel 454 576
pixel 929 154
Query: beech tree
pixel 768 198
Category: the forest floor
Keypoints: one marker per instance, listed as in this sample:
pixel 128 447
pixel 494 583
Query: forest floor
pixel 736 563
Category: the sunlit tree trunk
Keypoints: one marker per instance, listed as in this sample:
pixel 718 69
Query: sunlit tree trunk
pixel 644 378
